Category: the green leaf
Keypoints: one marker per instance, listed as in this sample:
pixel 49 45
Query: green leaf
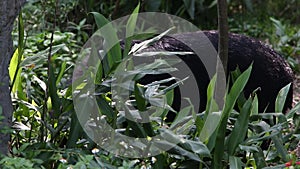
pixel 17 80
pixel 161 161
pixel 211 105
pixel 137 48
pixel 140 100
pixel 293 111
pixel 13 65
pixel 260 159
pixel 75 131
pixel 241 99
pixel 41 57
pixel 99 68
pixel 281 97
pixel 255 106
pixel 249 5
pixel 213 3
pixel 240 129
pixel 99 19
pixel 161 53
pixel 20 126
pixel 15 73
pixel 231 98
pixel 235 162
pixel 236 90
pixel 190 7
pixel 30 106
pixel 104 108
pixel 280 29
pixel 181 116
pixel 211 123
pixel 212 117
pixel 112 45
pixel 139 130
pixel 61 73
pixel 41 83
pixel 196 147
pixel 130 27
pixel 131 23
pixel 169 140
pixel 169 97
pixel 250 149
pixel 55 100
pixel 280 148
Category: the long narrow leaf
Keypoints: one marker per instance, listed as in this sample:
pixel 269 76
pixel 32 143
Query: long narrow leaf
pixel 112 45
pixel 240 129
pixel 55 100
pixel 143 45
pixel 61 73
pixel 236 90
pixel 131 23
pixel 130 27
pixel 259 158
pixel 210 125
pixel 235 162
pixel 140 100
pixel 234 93
pixel 14 72
pixel 281 97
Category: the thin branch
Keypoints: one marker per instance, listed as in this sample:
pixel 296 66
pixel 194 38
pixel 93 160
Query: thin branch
pixel 45 109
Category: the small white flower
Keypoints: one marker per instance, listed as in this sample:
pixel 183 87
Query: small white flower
pixel 153 159
pixel 62 160
pixel 95 150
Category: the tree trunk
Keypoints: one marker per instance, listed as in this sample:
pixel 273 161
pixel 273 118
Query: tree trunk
pixel 223 54
pixel 223 33
pixel 9 10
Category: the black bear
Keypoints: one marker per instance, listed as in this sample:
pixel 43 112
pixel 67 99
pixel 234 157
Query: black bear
pixel 270 71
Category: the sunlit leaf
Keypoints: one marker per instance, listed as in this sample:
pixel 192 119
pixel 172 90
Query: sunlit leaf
pixel 61 73
pixel 281 98
pixel 20 126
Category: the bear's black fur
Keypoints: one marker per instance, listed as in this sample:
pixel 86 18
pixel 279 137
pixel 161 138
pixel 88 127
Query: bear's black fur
pixel 270 71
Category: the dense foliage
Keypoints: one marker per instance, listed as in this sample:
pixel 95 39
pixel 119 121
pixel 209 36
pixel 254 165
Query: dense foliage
pixel 46 133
